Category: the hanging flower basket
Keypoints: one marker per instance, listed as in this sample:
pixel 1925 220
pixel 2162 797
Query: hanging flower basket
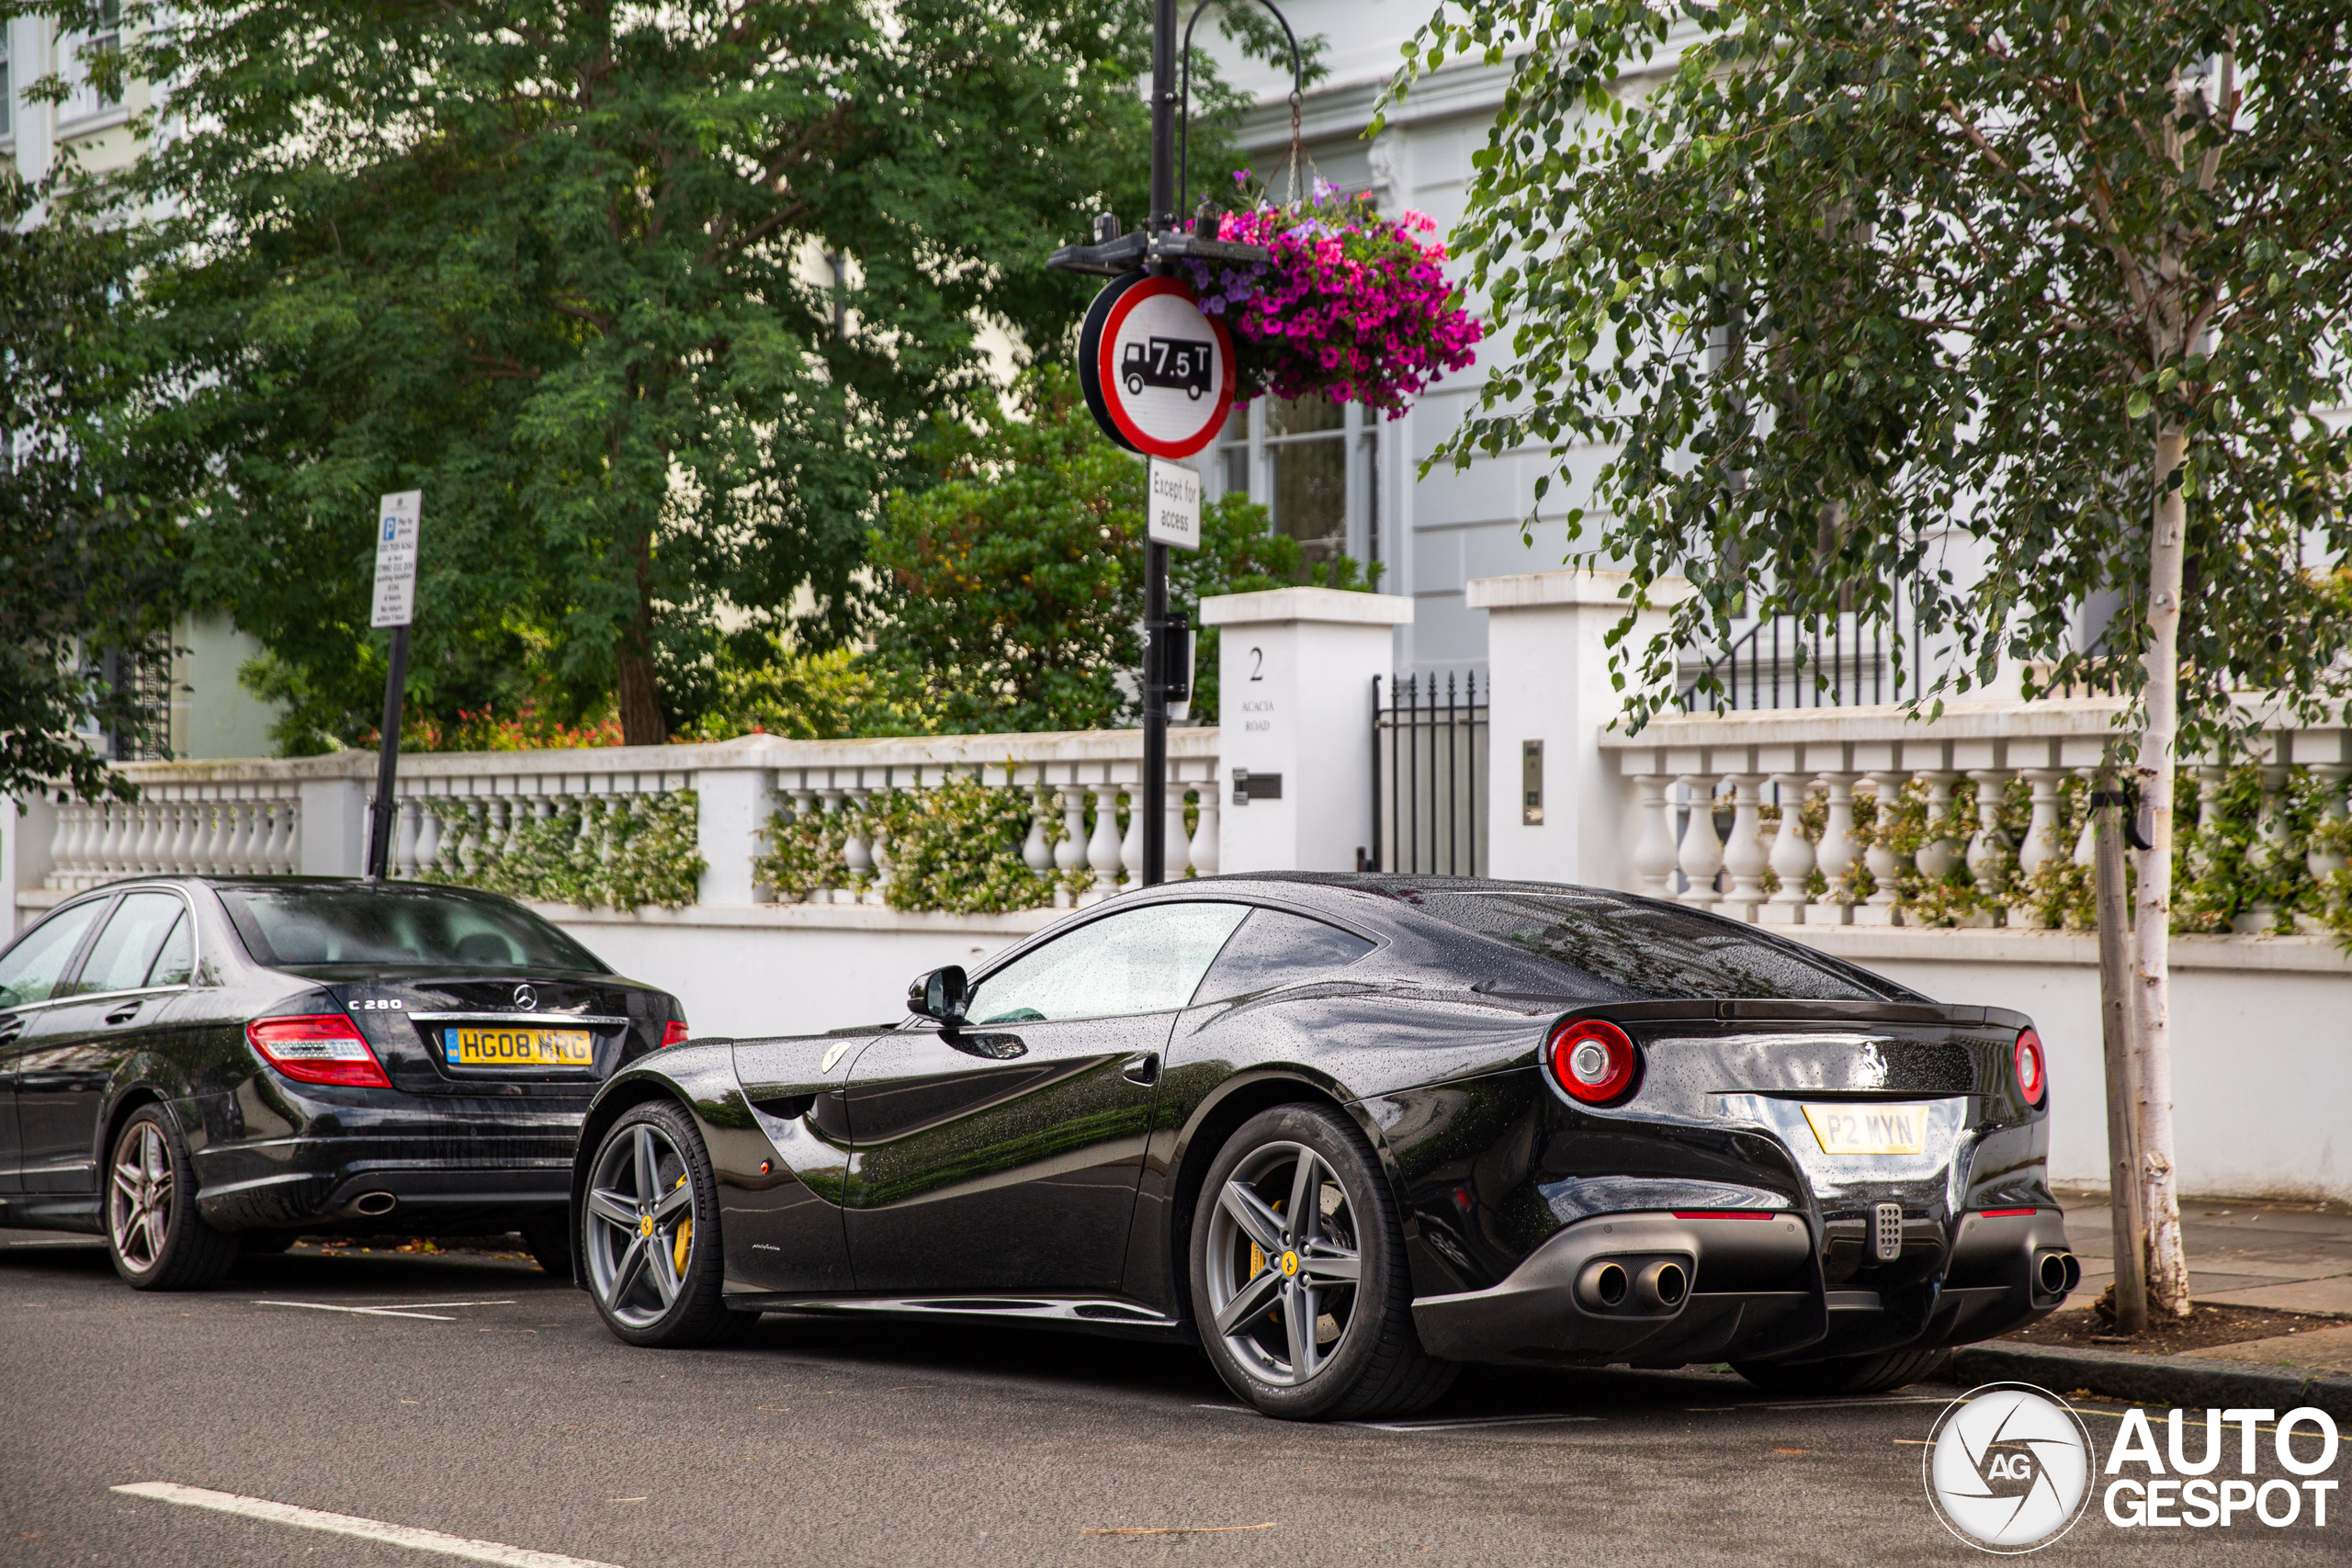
pixel 1352 304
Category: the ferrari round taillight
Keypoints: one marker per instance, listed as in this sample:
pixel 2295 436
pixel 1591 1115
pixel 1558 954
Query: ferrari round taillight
pixel 674 1032
pixel 323 1047
pixel 2032 1077
pixel 1592 1059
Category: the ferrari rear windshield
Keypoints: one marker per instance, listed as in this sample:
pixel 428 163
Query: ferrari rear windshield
pixel 395 926
pixel 1652 950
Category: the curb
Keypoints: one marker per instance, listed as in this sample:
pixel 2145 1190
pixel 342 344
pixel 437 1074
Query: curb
pixel 2183 1382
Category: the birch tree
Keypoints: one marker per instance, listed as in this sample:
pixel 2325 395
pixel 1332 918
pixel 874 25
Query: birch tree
pixel 1835 281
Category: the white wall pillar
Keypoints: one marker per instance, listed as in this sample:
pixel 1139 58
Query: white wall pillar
pixel 335 824
pixel 1294 670
pixel 733 807
pixel 28 837
pixel 1550 683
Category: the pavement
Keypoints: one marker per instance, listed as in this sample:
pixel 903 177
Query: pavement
pixel 2286 1257
pixel 484 1401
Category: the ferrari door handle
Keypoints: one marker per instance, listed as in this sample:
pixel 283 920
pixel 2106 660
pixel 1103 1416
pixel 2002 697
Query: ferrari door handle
pixel 1144 1069
pixel 125 1013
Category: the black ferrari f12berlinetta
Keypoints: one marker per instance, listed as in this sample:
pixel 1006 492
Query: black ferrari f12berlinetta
pixel 1351 1132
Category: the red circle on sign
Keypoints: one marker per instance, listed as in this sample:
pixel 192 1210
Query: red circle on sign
pixel 1119 382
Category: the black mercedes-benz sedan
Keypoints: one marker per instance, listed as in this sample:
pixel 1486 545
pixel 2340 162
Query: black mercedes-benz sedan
pixel 198 1065
pixel 1351 1132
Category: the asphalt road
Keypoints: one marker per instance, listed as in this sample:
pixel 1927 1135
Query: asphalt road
pixel 515 1418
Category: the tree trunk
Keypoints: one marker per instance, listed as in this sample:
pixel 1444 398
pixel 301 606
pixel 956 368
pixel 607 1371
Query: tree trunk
pixel 2151 912
pixel 641 698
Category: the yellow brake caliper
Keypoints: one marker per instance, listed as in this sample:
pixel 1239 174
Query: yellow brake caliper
pixel 685 1236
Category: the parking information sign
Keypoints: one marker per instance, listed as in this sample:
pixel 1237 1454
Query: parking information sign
pixel 396 520
pixel 1158 374
pixel 1172 513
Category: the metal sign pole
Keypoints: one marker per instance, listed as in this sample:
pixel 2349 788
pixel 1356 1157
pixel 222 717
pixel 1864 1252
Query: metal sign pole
pixel 398 517
pixel 1151 798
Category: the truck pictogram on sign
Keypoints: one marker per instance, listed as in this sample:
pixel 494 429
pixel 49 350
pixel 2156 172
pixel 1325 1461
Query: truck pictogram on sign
pixel 1175 363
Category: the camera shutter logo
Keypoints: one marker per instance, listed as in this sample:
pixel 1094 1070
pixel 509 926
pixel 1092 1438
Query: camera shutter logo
pixel 2009 1468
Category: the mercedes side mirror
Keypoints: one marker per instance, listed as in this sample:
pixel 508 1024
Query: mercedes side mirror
pixel 940 994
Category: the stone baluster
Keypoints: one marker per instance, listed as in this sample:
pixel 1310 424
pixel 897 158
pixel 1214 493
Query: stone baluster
pixel 857 846
pixel 2209 780
pixel 1654 851
pixel 1837 852
pixel 1175 847
pixel 126 824
pixel 1102 848
pixel 879 838
pixel 1702 853
pixel 1987 856
pixel 1203 851
pixel 146 856
pixel 404 838
pixel 231 844
pixel 829 802
pixel 2087 841
pixel 249 839
pixel 428 838
pixel 1744 857
pixel 1792 858
pixel 2268 852
pixel 472 813
pixel 65 845
pixel 1937 856
pixel 1879 910
pixel 2321 860
pixel 197 834
pixel 2040 844
pixel 286 840
pixel 1131 841
pixel 1070 854
pixel 1035 853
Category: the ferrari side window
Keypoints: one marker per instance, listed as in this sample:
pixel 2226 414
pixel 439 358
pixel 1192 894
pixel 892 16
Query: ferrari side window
pixel 1146 959
pixel 1275 947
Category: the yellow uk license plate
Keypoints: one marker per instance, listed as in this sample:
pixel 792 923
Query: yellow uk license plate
pixel 519 1047
pixel 1869 1129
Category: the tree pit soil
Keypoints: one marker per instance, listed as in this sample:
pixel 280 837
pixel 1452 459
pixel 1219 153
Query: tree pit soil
pixel 2083 1328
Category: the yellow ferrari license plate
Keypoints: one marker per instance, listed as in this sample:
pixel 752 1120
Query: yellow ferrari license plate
pixel 1869 1129
pixel 519 1047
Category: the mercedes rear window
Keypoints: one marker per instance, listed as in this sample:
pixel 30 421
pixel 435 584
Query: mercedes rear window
pixel 300 927
pixel 1654 951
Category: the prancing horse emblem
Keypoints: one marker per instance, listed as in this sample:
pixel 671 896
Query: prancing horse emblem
pixel 527 998
pixel 1873 1071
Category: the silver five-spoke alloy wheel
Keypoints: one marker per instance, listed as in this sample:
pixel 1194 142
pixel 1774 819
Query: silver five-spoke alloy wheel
pixel 139 1196
pixel 1283 1264
pixel 640 1226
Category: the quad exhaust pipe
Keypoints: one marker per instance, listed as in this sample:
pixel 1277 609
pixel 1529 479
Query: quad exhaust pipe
pixel 374 1203
pixel 1660 1285
pixel 2058 1273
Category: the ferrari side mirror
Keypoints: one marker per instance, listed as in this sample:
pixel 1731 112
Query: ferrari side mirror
pixel 940 994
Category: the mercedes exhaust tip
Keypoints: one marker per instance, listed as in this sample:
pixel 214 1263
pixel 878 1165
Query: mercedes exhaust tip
pixel 374 1203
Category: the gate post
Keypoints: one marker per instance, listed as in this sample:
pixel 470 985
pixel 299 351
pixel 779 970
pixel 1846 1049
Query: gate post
pixel 1549 674
pixel 1294 669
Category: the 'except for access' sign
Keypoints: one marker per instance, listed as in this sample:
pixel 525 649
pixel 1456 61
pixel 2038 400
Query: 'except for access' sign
pixel 396 520
pixel 1172 505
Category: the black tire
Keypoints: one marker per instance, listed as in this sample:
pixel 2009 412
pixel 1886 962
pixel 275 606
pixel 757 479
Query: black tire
pixel 670 1298
pixel 1841 1376
pixel 154 1234
pixel 1375 1365
pixel 547 1238
pixel 265 1244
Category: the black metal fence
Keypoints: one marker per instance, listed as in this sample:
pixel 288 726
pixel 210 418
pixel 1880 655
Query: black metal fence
pixel 1429 772
pixel 1836 661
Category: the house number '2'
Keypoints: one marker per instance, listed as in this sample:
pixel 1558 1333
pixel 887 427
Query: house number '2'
pixel 1257 664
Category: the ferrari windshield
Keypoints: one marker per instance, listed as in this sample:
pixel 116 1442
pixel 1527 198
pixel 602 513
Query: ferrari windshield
pixel 1639 948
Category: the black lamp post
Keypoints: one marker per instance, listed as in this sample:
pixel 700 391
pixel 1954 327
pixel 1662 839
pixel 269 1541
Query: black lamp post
pixel 1164 237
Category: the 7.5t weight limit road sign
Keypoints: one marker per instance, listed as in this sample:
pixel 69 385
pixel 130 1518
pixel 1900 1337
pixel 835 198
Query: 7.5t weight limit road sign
pixel 1158 374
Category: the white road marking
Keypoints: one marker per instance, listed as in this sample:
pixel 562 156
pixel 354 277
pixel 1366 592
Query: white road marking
pixel 392 1309
pixel 348 1524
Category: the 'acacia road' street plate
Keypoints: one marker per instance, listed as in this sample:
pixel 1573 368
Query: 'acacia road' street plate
pixel 1861 1129
pixel 519 1047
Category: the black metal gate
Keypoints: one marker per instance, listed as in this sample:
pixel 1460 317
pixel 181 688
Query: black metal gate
pixel 1429 770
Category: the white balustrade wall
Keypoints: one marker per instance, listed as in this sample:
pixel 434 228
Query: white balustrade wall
pixel 460 814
